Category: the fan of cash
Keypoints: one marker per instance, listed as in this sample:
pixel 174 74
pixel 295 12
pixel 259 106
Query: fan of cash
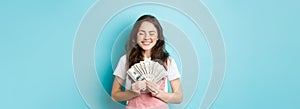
pixel 147 70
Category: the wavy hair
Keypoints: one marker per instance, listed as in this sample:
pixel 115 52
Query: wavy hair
pixel 134 51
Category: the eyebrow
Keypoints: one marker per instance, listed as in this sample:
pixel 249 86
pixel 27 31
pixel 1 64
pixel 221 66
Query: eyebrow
pixel 149 31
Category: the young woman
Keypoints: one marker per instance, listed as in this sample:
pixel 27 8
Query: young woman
pixel 146 42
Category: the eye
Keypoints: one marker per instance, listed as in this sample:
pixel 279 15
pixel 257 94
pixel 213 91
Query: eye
pixel 152 34
pixel 140 33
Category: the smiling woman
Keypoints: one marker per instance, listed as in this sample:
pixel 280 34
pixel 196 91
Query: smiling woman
pixel 146 43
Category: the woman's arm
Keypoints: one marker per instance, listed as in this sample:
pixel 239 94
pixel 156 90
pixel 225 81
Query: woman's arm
pixel 174 97
pixel 117 94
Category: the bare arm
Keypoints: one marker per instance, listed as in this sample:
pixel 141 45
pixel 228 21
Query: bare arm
pixel 174 97
pixel 117 94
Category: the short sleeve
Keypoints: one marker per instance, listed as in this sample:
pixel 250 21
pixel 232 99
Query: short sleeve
pixel 120 70
pixel 173 72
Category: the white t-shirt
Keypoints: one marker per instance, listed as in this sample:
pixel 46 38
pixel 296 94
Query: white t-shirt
pixel 120 71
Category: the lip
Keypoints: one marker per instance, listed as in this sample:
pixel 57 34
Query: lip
pixel 146 43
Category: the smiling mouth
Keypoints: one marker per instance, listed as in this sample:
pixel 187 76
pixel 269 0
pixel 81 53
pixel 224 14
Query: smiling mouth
pixel 146 43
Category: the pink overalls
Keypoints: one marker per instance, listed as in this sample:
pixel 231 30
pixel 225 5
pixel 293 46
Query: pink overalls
pixel 146 101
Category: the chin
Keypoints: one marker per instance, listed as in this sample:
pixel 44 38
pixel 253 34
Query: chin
pixel 146 48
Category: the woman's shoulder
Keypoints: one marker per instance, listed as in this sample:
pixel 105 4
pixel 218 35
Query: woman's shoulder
pixel 172 62
pixel 170 59
pixel 123 58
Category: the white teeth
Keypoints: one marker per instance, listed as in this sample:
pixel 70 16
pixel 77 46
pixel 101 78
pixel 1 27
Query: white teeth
pixel 146 42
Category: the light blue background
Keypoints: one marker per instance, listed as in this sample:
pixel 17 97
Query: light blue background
pixel 260 37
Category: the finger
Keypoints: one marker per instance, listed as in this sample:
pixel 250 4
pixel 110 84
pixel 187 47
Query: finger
pixel 151 89
pixel 153 92
pixel 140 83
pixel 152 85
pixel 136 91
pixel 138 86
pixel 142 86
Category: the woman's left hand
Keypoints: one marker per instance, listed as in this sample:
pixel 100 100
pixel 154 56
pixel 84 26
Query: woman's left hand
pixel 153 88
pixel 174 97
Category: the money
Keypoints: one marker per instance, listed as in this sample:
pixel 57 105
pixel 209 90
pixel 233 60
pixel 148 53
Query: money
pixel 147 70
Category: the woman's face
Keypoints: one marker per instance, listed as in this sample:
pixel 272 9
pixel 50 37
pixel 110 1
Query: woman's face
pixel 147 36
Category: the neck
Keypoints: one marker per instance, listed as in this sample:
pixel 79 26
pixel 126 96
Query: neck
pixel 147 53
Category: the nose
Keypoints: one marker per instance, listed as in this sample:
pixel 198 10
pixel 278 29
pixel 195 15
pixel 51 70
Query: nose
pixel 147 36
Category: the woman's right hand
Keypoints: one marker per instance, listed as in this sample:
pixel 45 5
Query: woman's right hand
pixel 138 86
